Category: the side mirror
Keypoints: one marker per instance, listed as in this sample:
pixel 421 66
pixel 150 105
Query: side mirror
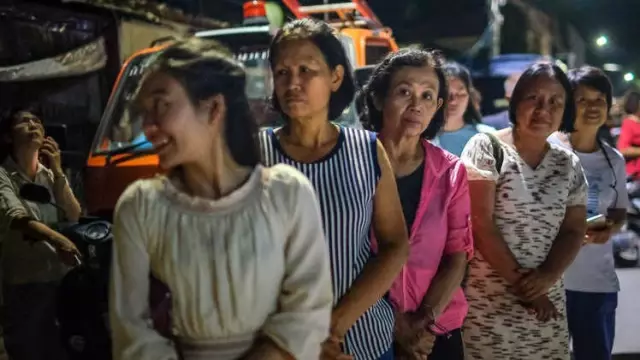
pixel 35 193
pixel 362 75
pixel 59 133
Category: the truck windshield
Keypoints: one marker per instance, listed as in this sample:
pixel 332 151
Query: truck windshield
pixel 121 130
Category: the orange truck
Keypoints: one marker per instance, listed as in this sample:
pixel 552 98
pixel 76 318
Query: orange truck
pixel 120 153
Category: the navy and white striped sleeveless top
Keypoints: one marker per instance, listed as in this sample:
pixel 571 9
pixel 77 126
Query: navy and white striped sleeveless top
pixel 345 181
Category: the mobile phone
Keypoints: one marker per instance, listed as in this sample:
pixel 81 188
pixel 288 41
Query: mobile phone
pixel 596 221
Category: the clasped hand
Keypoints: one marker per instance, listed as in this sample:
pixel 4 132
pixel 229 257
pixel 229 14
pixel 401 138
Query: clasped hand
pixel 413 339
pixel 331 349
pixel 532 284
pixel 532 288
pixel 542 308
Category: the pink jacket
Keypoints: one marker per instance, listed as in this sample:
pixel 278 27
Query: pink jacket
pixel 442 226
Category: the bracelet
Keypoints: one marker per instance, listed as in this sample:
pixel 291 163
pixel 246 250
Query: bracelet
pixel 57 178
pixel 430 312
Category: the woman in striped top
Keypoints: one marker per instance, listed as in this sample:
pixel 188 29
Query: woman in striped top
pixel 353 181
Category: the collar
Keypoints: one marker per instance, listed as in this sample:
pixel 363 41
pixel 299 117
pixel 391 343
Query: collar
pixel 13 170
pixel 437 160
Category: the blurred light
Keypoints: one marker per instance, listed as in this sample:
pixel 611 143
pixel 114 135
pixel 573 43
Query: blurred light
pixel 602 41
pixel 629 77
pixel 612 67
pixel 255 8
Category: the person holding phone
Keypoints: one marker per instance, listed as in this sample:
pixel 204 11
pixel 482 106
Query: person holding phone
pixel 34 256
pixel 591 282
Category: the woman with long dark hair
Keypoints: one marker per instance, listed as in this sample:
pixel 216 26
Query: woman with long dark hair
pixel 239 245
pixel 353 180
pixel 463 118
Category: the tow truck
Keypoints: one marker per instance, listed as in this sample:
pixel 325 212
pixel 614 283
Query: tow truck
pixel 120 154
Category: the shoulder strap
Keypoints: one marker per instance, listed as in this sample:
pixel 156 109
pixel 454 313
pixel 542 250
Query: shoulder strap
pixel 373 144
pixel 498 152
pixel 609 163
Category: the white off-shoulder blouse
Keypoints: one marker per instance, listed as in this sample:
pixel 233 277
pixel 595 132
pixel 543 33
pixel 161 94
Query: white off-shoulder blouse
pixel 252 263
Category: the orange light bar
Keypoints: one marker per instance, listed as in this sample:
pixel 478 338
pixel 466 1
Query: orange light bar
pixel 253 9
pixel 360 6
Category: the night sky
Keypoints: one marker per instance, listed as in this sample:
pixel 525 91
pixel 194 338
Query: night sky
pixel 619 20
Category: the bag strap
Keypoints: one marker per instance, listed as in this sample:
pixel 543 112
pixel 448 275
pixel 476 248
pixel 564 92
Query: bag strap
pixel 498 152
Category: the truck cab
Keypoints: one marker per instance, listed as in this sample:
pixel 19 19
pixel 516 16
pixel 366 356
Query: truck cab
pixel 120 153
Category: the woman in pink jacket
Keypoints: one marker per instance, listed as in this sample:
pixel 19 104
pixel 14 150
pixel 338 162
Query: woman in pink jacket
pixel 404 101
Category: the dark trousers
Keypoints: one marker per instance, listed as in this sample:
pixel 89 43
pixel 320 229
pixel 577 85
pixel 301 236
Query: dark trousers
pixel 30 328
pixel 448 347
pixel 592 324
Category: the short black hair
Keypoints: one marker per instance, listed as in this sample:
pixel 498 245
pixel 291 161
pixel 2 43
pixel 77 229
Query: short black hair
pixel 380 80
pixel 526 79
pixel 323 37
pixel 205 69
pixel 7 119
pixel 632 102
pixel 455 70
pixel 592 77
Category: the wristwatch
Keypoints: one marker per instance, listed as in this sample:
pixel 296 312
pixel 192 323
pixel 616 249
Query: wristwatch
pixel 57 178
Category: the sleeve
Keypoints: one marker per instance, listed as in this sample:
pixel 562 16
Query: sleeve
pixel 479 160
pixel 620 173
pixel 133 335
pixel 303 318
pixel 578 189
pixel 11 207
pixel 626 134
pixel 459 235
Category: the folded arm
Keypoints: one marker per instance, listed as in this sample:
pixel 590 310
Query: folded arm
pixel 567 243
pixel 133 335
pixel 65 198
pixel 393 249
pixel 488 239
pixel 573 228
pixel 458 247
pixel 14 216
pixel 483 177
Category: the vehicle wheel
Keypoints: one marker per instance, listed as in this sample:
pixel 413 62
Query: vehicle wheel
pixel 627 258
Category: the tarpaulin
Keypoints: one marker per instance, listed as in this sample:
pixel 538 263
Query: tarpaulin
pixel 79 61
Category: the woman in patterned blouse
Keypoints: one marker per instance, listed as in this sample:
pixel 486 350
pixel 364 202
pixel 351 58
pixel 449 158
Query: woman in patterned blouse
pixel 528 206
